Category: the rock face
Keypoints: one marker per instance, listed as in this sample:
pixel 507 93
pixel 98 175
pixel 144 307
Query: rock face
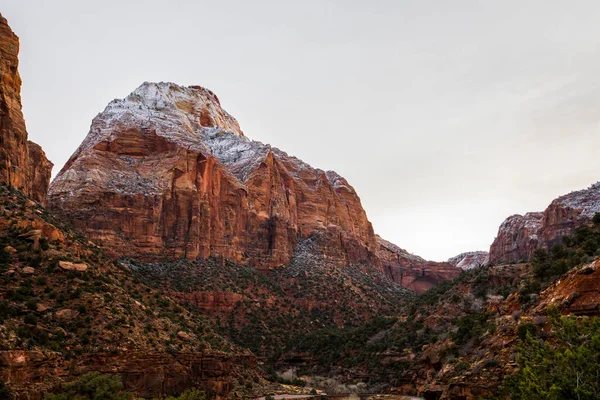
pixel 470 260
pixel 520 235
pixel 411 271
pixel 167 173
pixel 577 292
pixel 23 164
pixel 517 238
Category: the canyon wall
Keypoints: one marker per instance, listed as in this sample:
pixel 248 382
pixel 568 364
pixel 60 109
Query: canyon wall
pixel 520 235
pixel 23 164
pixel 411 271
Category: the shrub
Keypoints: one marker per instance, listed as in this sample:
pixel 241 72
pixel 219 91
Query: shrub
pixel 525 328
pixel 5 392
pixel 564 368
pixel 30 319
pixel 190 394
pixel 92 386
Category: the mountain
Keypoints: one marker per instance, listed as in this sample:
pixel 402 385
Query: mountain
pixel 166 173
pixel 23 164
pixel 520 235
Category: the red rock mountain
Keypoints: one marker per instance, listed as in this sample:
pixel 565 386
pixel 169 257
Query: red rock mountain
pixel 167 173
pixel 23 164
pixel 520 235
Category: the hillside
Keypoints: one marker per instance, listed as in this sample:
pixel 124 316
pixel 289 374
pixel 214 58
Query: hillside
pixel 465 339
pixel 66 308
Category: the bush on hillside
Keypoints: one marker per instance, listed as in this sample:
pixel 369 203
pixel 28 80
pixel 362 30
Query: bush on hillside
pixel 566 367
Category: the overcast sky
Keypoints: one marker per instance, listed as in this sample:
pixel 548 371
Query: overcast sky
pixel 446 116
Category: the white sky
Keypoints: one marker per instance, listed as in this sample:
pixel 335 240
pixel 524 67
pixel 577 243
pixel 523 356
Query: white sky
pixel 446 116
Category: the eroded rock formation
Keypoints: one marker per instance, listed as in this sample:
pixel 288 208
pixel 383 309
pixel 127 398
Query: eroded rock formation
pixel 166 172
pixel 520 235
pixel 23 164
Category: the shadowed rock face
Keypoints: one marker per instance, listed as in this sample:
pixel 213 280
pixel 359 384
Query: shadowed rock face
pixel 166 172
pixel 23 164
pixel 411 271
pixel 520 235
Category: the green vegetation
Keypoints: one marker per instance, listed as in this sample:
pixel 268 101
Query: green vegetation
pixel 564 366
pixel 272 308
pixel 190 394
pixel 5 392
pixel 92 386
pixel 95 386
pixel 574 251
pixel 346 346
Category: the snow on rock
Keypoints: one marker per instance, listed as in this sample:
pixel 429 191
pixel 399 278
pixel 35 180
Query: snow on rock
pixel 587 201
pixel 166 172
pixel 470 260
pixel 520 235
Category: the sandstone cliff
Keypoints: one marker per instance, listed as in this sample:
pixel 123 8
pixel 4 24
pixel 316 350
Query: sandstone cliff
pixel 520 235
pixel 166 172
pixel 23 164
pixel 411 271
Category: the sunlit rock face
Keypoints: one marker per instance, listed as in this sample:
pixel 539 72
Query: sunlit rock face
pixel 167 173
pixel 520 235
pixel 23 164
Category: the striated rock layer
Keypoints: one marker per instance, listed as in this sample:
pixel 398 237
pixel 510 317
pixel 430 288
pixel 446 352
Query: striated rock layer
pixel 520 235
pixel 23 164
pixel 166 172
pixel 411 271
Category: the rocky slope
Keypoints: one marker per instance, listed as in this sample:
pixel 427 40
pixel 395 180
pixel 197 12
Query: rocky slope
pixel 266 309
pixel 411 271
pixel 62 299
pixel 462 338
pixel 470 260
pixel 167 173
pixel 520 235
pixel 23 164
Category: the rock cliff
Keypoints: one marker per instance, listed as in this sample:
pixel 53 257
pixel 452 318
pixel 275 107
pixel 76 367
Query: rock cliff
pixel 167 173
pixel 520 235
pixel 23 164
pixel 411 271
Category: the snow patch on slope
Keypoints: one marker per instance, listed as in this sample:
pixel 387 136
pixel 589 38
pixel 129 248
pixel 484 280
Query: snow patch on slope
pixel 470 260
pixel 586 200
